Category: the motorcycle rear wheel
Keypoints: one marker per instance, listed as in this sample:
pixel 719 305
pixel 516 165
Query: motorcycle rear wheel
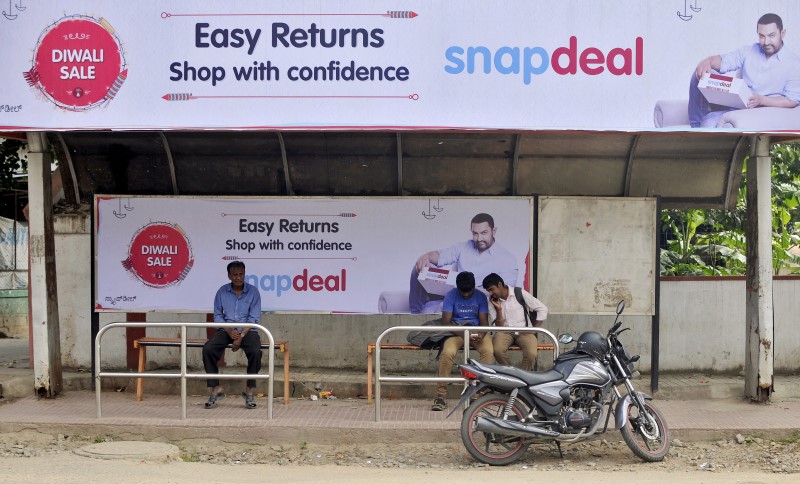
pixel 488 448
pixel 649 443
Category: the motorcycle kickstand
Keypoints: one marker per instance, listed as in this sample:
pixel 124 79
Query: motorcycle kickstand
pixel 558 444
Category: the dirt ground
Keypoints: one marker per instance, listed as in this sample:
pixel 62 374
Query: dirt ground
pixel 746 454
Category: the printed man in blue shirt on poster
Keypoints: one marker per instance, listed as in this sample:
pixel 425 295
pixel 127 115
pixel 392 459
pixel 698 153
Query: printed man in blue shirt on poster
pixel 481 255
pixel 769 69
pixel 463 306
pixel 237 302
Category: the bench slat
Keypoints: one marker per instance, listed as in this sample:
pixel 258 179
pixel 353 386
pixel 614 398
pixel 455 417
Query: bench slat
pixel 405 346
pixel 144 342
pixel 190 343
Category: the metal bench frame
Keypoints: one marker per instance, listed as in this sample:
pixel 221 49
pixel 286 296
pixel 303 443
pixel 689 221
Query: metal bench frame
pixel 147 341
pixel 183 375
pixel 378 345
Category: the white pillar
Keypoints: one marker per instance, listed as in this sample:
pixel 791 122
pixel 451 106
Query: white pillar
pixel 45 332
pixel 759 355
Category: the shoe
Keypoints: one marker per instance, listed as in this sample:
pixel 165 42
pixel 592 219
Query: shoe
pixel 439 404
pixel 249 400
pixel 213 399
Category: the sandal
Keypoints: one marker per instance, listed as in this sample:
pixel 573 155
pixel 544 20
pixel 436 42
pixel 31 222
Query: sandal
pixel 249 400
pixel 212 400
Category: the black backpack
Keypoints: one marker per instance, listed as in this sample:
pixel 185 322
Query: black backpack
pixel 428 339
pixel 529 315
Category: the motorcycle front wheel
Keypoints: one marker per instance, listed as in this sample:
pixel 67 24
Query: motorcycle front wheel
pixel 492 449
pixel 647 441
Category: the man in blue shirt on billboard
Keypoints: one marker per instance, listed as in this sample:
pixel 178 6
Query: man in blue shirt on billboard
pixel 481 255
pixel 768 68
pixel 463 306
pixel 237 302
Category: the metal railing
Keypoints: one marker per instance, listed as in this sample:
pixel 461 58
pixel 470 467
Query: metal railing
pixel 436 379
pixel 183 375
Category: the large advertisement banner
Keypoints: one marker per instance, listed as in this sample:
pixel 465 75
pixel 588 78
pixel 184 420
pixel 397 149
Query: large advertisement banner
pixel 305 254
pixel 626 65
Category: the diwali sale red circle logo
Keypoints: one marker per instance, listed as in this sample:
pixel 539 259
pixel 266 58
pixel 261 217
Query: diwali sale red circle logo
pixel 159 255
pixel 78 63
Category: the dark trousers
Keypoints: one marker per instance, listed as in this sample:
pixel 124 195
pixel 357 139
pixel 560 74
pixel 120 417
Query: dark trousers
pixel 417 295
pixel 215 347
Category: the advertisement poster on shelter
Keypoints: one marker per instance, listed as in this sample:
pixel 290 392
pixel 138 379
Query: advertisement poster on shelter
pixel 350 255
pixel 619 65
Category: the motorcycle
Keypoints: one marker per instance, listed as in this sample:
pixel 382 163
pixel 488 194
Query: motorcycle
pixel 566 404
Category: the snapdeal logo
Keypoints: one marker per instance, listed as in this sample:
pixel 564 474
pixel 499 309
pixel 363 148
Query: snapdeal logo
pixel 535 61
pixel 280 283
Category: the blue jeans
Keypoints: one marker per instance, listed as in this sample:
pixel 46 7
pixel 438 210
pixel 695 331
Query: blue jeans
pixel 701 113
pixel 418 297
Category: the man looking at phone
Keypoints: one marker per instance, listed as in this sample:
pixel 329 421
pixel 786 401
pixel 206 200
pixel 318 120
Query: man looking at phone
pixel 506 311
pixel 463 306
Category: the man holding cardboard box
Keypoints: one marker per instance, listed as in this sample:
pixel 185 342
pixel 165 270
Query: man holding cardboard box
pixel 770 76
pixel 482 255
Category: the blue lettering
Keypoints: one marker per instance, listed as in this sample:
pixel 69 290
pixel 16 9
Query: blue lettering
pixel 544 63
pixel 452 55
pixel 278 283
pixel 512 52
pixel 487 59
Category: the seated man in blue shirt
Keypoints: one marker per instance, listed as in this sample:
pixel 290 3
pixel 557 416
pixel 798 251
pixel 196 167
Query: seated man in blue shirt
pixel 768 68
pixel 235 302
pixel 463 306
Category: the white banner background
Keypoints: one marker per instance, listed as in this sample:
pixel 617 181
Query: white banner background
pixel 387 237
pixel 154 35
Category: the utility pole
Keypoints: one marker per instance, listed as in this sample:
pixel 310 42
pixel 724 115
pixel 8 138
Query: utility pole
pixel 44 324
pixel 759 350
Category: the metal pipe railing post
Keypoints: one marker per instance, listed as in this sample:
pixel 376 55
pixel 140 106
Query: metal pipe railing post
pixel 271 370
pixel 183 372
pixel 432 329
pixel 183 375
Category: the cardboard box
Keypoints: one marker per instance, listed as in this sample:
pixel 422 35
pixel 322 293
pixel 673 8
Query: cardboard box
pixel 724 90
pixel 437 281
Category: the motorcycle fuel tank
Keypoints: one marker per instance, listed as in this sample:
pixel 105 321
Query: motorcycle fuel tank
pixel 588 371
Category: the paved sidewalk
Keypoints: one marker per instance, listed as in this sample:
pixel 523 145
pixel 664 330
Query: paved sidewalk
pixel 343 420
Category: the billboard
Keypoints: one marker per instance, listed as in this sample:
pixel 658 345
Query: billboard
pixel 355 255
pixel 625 65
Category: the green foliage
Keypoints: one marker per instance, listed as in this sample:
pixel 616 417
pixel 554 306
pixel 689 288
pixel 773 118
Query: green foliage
pixel 712 242
pixel 10 162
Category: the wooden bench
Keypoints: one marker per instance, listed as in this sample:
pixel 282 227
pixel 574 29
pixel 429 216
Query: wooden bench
pixel 143 343
pixel 405 346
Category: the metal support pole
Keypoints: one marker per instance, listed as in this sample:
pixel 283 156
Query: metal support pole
pixel 183 373
pixel 45 333
pixel 759 354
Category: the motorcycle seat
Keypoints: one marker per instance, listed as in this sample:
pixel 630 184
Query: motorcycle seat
pixel 529 377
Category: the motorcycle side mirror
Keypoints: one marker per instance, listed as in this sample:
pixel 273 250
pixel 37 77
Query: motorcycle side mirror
pixel 620 307
pixel 565 338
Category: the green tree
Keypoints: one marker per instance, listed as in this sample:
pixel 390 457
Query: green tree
pixel 712 242
pixel 11 162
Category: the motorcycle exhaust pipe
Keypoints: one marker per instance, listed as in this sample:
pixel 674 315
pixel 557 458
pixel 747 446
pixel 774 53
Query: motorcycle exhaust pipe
pixel 495 425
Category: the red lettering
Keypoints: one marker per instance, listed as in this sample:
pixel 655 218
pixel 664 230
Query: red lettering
pixel 639 56
pixel 315 283
pixel 300 281
pixel 571 53
pixel 590 56
pixel 627 62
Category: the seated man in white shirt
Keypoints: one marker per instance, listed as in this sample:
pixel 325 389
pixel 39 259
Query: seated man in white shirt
pixel 505 310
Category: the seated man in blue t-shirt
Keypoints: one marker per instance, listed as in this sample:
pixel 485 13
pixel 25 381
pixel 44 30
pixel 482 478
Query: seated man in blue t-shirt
pixel 463 306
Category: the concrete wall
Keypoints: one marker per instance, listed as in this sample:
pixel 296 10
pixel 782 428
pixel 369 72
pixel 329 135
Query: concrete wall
pixel 702 324
pixel 73 268
pixel 14 313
